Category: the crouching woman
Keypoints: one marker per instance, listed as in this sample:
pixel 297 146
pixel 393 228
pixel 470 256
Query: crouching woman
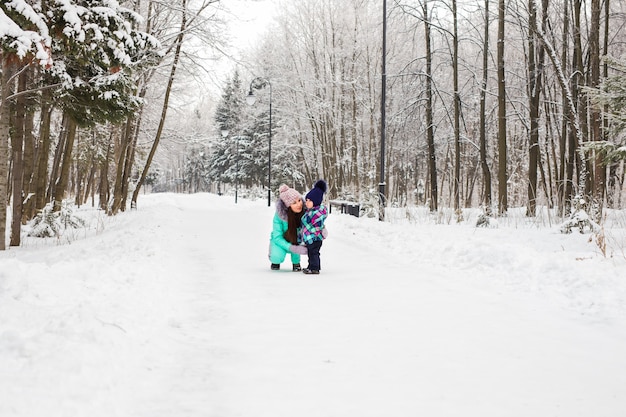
pixel 286 236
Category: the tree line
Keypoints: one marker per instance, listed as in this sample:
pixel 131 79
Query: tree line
pixel 489 103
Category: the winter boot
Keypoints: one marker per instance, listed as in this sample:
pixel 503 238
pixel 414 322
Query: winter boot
pixel 308 271
pixel 275 267
pixel 297 268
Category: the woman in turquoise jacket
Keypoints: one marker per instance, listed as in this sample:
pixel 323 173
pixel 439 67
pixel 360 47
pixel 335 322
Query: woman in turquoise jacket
pixel 285 238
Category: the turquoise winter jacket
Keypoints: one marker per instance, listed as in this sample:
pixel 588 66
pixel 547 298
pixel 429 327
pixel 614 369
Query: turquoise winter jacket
pixel 279 227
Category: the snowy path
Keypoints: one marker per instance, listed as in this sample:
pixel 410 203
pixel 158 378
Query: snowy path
pixel 373 338
pixel 174 312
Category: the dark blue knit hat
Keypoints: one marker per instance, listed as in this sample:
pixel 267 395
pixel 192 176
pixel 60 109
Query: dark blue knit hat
pixel 317 193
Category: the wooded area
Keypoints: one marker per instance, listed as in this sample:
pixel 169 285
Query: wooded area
pixel 76 78
pixel 480 93
pixel 488 104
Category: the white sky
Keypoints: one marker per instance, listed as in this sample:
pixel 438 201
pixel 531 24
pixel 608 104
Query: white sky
pixel 252 16
pixel 246 20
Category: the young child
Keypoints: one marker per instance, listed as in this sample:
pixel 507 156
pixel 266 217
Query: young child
pixel 313 225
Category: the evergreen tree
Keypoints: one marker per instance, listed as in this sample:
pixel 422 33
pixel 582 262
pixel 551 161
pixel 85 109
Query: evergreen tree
pixel 197 171
pixel 611 97
pixel 228 118
pixel 95 58
pixel 228 113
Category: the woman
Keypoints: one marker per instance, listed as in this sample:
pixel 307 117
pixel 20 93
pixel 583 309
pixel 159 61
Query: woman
pixel 285 237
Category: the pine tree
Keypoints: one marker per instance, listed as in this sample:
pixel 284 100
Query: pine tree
pixel 227 149
pixel 228 113
pixel 611 96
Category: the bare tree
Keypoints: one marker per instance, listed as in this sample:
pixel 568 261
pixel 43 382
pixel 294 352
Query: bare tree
pixel 535 78
pixel 482 115
pixel 564 177
pixel 571 107
pixel 168 90
pixel 502 103
pixel 595 117
pixel 60 187
pixel 430 134
pixel 457 108
pixel 190 22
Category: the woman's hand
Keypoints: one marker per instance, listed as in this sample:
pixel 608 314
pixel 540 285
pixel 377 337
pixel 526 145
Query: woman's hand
pixel 298 249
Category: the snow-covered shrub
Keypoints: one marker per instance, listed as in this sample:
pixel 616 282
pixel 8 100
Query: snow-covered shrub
pixel 579 217
pixel 369 204
pixel 485 219
pixel 48 223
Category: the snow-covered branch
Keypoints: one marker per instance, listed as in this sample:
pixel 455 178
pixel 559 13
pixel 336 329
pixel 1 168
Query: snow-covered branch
pixel 15 37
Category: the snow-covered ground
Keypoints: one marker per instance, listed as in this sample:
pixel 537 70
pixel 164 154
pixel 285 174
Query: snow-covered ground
pixel 172 310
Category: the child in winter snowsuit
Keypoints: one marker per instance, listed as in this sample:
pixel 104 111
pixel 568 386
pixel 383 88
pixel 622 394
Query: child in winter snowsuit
pixel 286 229
pixel 313 225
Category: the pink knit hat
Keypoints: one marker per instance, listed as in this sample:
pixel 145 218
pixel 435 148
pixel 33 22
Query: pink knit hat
pixel 288 195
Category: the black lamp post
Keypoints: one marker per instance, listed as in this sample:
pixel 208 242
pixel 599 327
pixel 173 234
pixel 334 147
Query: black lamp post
pixel 381 184
pixel 251 99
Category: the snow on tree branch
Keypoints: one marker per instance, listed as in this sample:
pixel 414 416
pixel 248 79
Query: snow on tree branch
pixel 18 36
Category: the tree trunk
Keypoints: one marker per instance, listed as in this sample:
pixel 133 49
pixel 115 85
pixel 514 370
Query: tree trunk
pixel 29 149
pixel 104 178
pixel 40 178
pixel 118 188
pixel 535 72
pixel 66 161
pixel 578 118
pixel 79 176
pixel 89 186
pixel 17 149
pixel 612 180
pixel 457 110
pixel 533 104
pixel 8 70
pixel 430 133
pixel 129 161
pixel 483 109
pixel 599 167
pixel 55 169
pixel 502 143
pixel 564 181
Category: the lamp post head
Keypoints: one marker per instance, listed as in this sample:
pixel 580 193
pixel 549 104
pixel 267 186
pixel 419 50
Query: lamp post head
pixel 250 98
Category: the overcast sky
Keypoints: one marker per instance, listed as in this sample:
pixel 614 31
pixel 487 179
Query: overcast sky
pixel 251 17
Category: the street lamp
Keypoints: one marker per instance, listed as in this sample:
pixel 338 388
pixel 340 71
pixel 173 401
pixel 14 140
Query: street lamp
pixel 383 95
pixel 251 99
